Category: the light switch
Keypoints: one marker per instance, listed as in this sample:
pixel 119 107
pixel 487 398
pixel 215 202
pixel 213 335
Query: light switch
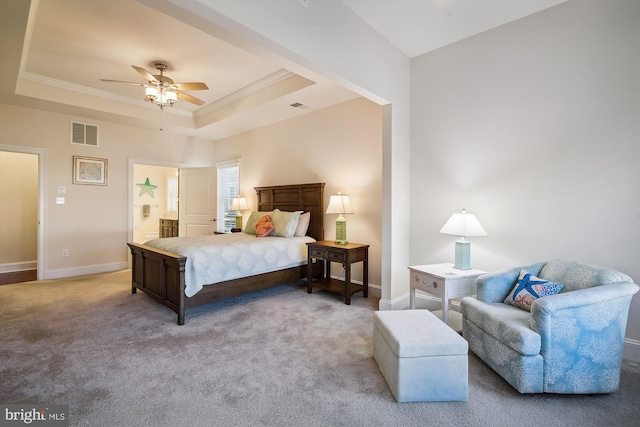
pixel 59 200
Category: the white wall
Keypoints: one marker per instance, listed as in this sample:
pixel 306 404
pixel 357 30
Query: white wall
pixel 534 127
pixel 92 224
pixel 340 146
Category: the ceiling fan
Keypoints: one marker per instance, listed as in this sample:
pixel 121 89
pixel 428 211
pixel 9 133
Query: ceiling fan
pixel 162 90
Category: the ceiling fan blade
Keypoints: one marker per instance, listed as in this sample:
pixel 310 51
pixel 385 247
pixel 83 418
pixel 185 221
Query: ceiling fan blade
pixel 147 75
pixel 192 86
pixel 122 81
pixel 189 98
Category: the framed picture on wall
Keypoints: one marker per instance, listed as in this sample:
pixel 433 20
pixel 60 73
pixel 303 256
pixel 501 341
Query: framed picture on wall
pixel 89 170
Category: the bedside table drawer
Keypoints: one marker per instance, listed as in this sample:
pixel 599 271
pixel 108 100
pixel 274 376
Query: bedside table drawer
pixel 336 256
pixel 318 253
pixel 430 284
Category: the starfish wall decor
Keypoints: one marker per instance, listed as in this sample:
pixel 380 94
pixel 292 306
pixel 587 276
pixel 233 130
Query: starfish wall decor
pixel 147 187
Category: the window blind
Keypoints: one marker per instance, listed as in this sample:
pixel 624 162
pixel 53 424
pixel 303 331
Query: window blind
pixel 228 188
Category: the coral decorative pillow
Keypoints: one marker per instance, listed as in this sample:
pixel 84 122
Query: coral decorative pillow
pixel 250 226
pixel 528 288
pixel 264 226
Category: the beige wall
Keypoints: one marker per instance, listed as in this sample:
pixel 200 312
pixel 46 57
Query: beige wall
pixel 93 222
pixel 340 146
pixel 18 211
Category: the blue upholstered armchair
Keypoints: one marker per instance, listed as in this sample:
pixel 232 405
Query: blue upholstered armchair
pixel 570 342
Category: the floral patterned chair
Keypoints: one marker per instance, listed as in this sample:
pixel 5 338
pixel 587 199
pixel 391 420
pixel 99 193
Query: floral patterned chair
pixel 551 327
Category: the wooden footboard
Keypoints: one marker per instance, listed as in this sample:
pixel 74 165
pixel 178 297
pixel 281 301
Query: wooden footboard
pixel 159 274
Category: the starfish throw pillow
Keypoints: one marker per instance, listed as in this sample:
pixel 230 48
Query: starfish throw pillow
pixel 528 288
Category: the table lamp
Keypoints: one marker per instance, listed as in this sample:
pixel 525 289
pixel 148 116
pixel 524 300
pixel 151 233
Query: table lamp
pixel 463 224
pixel 239 204
pixel 340 204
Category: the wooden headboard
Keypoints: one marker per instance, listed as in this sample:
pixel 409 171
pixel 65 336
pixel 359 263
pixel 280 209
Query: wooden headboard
pixel 299 197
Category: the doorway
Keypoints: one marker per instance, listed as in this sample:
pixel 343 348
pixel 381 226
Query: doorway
pixel 154 199
pixel 21 216
pixel 195 199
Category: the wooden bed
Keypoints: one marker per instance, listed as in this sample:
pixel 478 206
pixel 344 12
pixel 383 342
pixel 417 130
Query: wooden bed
pixel 160 274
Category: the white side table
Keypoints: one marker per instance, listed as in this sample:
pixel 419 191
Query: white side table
pixel 443 281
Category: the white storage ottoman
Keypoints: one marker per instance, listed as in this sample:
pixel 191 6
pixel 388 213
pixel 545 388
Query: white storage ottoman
pixel 421 358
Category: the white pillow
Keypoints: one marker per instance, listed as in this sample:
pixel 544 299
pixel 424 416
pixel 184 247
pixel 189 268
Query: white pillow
pixel 303 224
pixel 285 223
pixel 249 228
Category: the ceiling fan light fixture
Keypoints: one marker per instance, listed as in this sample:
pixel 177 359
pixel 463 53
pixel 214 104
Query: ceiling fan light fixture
pixel 162 96
pixel 161 90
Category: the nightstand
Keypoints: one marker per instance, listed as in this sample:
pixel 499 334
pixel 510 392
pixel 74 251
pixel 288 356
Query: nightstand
pixel 443 281
pixel 328 252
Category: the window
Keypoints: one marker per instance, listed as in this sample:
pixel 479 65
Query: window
pixel 172 193
pixel 228 188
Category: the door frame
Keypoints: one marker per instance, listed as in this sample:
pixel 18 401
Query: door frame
pixel 42 208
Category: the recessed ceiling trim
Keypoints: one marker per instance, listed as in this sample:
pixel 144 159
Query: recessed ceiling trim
pixel 288 85
pixel 60 84
pixel 28 35
pixel 246 91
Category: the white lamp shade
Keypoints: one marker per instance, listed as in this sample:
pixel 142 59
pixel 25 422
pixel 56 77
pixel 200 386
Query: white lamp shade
pixel 170 96
pixel 151 92
pixel 463 224
pixel 239 204
pixel 340 204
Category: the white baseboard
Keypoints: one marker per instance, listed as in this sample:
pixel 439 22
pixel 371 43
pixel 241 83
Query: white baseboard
pixel 11 267
pixel 399 303
pixel 87 269
pixel 375 290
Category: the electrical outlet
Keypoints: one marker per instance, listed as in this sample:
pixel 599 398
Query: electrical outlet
pixel 65 252
pixel 59 200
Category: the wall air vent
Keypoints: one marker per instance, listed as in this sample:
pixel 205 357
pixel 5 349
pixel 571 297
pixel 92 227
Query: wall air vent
pixel 299 105
pixel 84 134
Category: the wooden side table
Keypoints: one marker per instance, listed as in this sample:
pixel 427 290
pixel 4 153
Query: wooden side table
pixel 328 252
pixel 443 281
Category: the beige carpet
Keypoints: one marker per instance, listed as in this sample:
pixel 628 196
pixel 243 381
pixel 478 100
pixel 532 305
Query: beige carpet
pixel 277 357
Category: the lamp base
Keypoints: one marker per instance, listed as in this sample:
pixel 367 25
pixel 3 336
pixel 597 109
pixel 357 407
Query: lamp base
pixel 341 231
pixel 463 255
pixel 239 221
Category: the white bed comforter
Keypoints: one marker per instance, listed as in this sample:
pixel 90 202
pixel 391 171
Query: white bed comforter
pixel 217 258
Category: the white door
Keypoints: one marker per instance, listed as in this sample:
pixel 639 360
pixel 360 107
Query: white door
pixel 197 201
